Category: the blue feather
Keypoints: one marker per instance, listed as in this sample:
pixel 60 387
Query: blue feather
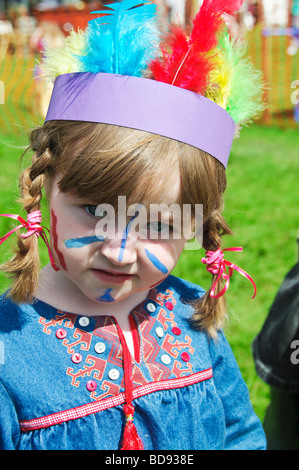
pixel 124 41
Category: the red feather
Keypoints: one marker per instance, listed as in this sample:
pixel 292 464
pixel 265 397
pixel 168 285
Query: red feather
pixel 229 6
pixel 185 62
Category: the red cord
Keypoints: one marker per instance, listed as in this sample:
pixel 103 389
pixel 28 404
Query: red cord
pixel 131 440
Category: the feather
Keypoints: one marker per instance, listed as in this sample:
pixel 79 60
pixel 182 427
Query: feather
pixel 60 60
pixel 234 83
pixel 228 6
pixel 186 62
pixel 123 41
pixel 219 81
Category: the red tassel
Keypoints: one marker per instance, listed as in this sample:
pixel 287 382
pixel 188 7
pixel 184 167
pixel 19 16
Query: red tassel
pixel 131 440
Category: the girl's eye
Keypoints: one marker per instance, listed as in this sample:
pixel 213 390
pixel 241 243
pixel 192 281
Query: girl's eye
pixel 158 227
pixel 92 210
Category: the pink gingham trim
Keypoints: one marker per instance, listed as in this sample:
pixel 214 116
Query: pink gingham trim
pixel 95 407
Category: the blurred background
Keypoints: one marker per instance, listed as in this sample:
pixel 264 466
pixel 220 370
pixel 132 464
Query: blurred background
pixel 262 199
pixel 27 26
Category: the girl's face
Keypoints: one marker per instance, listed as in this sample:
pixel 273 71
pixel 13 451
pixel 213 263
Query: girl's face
pixel 113 266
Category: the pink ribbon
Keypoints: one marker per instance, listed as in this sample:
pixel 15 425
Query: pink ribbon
pixel 217 265
pixel 33 226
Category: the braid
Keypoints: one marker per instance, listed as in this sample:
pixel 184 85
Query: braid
pixel 211 313
pixel 32 181
pixel 23 268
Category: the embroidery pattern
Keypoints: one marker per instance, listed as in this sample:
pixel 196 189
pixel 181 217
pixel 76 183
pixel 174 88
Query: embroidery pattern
pixel 161 355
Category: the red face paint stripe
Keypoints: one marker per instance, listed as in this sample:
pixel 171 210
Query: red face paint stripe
pixel 95 407
pixel 55 240
pixel 157 283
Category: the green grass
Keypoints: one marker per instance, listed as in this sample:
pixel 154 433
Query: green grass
pixel 261 206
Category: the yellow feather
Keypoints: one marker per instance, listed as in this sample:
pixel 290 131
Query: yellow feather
pixel 63 59
pixel 220 79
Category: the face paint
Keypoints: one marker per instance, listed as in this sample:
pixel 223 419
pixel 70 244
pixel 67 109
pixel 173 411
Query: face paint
pixel 157 283
pixel 148 263
pixel 55 240
pixel 156 262
pixel 125 236
pixel 82 241
pixel 106 297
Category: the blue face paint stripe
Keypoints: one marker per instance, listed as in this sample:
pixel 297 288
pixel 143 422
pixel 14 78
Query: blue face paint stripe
pixel 125 236
pixel 156 262
pixel 79 242
pixel 106 297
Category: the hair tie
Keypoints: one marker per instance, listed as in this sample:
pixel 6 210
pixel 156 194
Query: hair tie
pixel 217 265
pixel 33 226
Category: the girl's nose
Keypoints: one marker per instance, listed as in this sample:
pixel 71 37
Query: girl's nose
pixel 121 251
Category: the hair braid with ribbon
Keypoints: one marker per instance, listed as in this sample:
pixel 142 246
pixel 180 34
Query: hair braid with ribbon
pixel 211 311
pixel 23 268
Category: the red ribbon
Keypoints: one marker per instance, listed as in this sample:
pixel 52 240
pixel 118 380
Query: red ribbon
pixel 33 226
pixel 217 265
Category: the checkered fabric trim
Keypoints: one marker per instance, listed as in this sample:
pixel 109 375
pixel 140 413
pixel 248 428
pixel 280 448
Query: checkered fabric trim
pixel 95 407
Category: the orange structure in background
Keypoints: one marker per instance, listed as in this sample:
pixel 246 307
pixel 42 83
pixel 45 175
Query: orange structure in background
pixel 68 17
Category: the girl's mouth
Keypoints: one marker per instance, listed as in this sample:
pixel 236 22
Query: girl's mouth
pixel 111 277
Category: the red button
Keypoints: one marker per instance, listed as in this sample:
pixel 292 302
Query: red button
pixel 185 356
pixel 91 385
pixel 60 333
pixel 176 330
pixel 169 305
pixel 76 358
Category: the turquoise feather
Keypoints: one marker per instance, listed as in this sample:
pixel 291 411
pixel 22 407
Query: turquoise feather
pixel 123 41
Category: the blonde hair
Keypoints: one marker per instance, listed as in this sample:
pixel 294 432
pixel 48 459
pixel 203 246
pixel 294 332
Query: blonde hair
pixel 100 162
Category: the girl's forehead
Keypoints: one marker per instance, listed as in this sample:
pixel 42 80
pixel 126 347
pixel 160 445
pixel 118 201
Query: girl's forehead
pixel 155 187
pixel 161 184
pixel 165 188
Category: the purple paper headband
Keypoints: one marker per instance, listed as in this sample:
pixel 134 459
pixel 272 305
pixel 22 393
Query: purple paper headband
pixel 144 104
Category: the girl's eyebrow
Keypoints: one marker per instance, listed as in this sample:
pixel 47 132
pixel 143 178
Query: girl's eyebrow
pixel 87 200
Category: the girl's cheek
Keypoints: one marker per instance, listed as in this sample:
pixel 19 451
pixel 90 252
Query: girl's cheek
pixel 155 258
pixel 156 261
pixel 54 238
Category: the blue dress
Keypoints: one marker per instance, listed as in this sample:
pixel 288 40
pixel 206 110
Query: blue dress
pixel 62 381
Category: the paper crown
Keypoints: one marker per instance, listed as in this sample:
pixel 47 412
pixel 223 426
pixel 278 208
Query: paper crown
pixel 121 71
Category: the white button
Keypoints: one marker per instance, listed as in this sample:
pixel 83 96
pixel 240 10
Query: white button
pixel 100 348
pixel 151 308
pixel 113 374
pixel 166 359
pixel 84 321
pixel 159 331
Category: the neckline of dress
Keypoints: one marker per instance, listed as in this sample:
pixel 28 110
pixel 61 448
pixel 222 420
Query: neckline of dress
pixel 150 297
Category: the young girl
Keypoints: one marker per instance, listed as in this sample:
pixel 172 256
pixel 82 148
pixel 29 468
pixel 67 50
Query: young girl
pixel 104 348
